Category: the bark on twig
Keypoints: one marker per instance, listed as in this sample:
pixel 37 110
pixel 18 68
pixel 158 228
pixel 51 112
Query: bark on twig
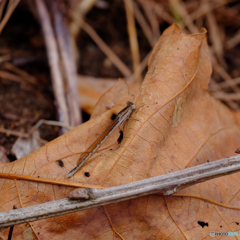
pixel 65 47
pixel 53 58
pixel 169 183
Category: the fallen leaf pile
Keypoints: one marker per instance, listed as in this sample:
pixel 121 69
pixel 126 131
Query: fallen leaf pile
pixel 177 125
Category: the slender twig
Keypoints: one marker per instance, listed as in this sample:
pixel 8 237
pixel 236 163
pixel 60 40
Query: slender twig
pixel 168 184
pixel 51 123
pixel 230 82
pixel 215 37
pixel 118 63
pixel 2 6
pixel 235 40
pixel 132 34
pixel 14 133
pixel 25 75
pixel 206 7
pixel 144 25
pixel 65 47
pixel 53 58
pixel 37 125
pixel 11 7
pixel 222 72
pixel 151 15
pixel 159 10
pixel 227 96
pixel 185 16
pixel 139 69
pixel 11 77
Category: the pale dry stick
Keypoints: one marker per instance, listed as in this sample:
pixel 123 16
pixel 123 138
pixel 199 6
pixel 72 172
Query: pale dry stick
pixel 227 96
pixel 14 133
pixel 206 7
pixel 11 7
pixel 144 25
pixel 199 22
pixel 159 9
pixel 174 9
pixel 213 86
pixel 132 34
pixel 51 123
pixel 2 6
pixel 5 57
pixel 151 15
pixel 118 63
pixel 186 18
pixel 37 125
pixel 230 82
pixel 216 39
pixel 218 68
pixel 139 69
pixel 235 40
pixel 169 183
pixel 65 48
pixel 121 117
pixel 53 59
pixel 221 71
pixel 29 78
pixel 232 104
pixel 11 77
pixel 77 14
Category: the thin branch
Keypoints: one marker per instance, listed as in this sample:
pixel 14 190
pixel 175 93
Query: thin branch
pixel 132 34
pixel 53 58
pixel 230 82
pixel 118 63
pixel 151 15
pixel 185 17
pixel 11 7
pixel 206 7
pixel 139 69
pixel 65 48
pixel 226 96
pixel 159 10
pixel 26 76
pixel 169 183
pixel 2 6
pixel 215 37
pixel 51 123
pixel 11 77
pixel 144 25
pixel 14 133
pixel 37 125
pixel 234 41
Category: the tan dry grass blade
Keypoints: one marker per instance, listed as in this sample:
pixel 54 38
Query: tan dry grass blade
pixel 179 125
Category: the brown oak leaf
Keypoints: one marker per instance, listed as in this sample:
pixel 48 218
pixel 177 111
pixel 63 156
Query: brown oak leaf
pixel 178 125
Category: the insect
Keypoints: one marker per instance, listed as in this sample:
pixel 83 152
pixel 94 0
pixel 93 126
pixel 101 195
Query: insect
pixel 121 117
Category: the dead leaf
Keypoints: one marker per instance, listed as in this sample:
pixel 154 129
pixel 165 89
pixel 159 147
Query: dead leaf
pixel 90 89
pixel 179 125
